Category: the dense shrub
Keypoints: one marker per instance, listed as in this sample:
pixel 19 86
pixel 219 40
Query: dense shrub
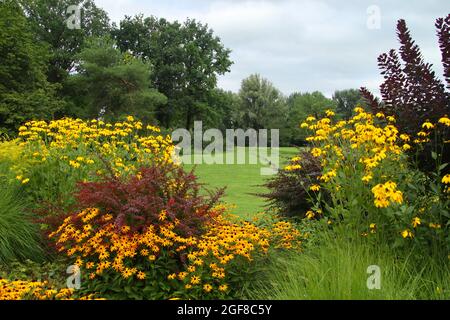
pixel 157 193
pixel 152 237
pixel 373 189
pixel 288 190
pixel 55 155
pixel 412 92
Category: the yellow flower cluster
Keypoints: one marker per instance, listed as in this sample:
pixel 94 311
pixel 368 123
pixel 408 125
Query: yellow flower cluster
pixel 365 139
pixel 133 254
pixel 386 193
pixel 35 290
pixel 84 144
pixel 105 248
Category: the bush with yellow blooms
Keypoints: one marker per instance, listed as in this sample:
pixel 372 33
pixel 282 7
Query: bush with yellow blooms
pixel 368 185
pixel 55 155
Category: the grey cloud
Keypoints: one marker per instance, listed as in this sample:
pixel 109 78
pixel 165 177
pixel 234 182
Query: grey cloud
pixel 302 45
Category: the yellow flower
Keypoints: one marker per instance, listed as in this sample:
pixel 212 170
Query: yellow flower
pixel 445 121
pixel 195 280
pixel 191 268
pixel 329 113
pixel 316 152
pixel 390 119
pixel 182 275
pixel 162 215
pixel 415 222
pixel 223 287
pixel 141 275
pixel 292 167
pixel 207 287
pixel 310 214
pixel 314 187
pixel 427 125
pixel 367 178
pixel 422 134
pixel 404 137
pixel 172 276
pixel 24 181
pixel 386 193
pixel 407 233
pixel 74 164
pixel 198 262
pixel 446 179
pixel 406 147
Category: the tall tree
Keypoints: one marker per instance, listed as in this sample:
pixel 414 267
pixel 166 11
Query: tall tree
pixel 187 59
pixel 112 84
pixel 24 91
pixel 48 19
pixel 261 104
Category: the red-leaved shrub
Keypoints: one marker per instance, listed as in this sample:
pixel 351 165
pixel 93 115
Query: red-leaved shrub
pixel 155 194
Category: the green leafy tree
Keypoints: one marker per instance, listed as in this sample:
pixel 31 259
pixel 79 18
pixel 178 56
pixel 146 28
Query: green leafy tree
pixel 48 20
pixel 111 84
pixel 24 91
pixel 300 106
pixel 346 101
pixel 223 106
pixel 187 59
pixel 260 105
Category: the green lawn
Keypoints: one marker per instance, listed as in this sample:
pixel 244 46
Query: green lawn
pixel 241 181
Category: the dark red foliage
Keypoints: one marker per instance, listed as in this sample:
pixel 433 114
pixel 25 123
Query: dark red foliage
pixel 371 100
pixel 139 201
pixel 411 91
pixel 288 189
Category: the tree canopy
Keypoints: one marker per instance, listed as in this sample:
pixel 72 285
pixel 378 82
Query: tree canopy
pixel 187 59
pixel 24 90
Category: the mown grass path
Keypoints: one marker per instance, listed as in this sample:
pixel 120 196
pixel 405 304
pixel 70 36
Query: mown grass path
pixel 242 181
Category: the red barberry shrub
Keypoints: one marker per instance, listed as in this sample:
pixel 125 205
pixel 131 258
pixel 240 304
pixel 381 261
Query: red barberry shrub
pixel 157 193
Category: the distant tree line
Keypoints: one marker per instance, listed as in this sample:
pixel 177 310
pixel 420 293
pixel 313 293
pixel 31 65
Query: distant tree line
pixel 160 71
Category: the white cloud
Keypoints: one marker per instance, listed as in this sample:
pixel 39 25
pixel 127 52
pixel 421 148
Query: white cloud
pixel 301 45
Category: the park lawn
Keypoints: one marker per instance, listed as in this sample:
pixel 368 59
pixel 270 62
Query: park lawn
pixel 242 181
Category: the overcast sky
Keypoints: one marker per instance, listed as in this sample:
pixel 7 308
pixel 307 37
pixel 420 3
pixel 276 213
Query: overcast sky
pixel 302 45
